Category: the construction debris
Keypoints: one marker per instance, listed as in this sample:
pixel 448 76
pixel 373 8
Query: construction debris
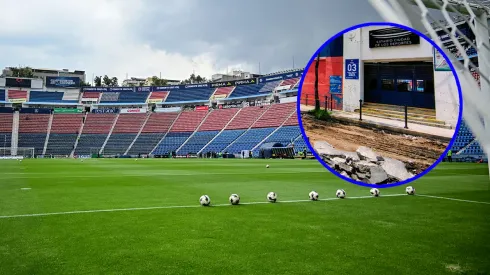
pixel 364 165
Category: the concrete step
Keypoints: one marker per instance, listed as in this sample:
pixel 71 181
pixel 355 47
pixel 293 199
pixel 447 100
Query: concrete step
pixel 401 115
pixel 422 111
pixel 438 124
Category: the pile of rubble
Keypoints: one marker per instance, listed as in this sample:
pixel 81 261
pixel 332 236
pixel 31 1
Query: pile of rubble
pixel 364 164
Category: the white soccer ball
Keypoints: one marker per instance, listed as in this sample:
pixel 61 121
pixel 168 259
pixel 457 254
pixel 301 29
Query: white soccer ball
pixel 410 190
pixel 204 200
pixel 234 199
pixel 313 196
pixel 374 192
pixel 272 197
pixel 340 194
pixel 20 160
pixel 267 166
pixel 81 160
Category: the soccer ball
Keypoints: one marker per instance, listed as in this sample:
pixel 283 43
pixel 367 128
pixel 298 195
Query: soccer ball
pixel 234 199
pixel 340 194
pixel 374 192
pixel 267 166
pixel 81 160
pixel 272 197
pixel 313 196
pixel 410 190
pixel 204 200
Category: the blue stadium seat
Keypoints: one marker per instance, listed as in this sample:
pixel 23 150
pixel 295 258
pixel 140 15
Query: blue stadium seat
pixel 247 90
pixel 88 141
pixel 60 144
pixel 30 140
pixel 171 142
pixel 40 96
pixel 5 140
pixel 197 142
pixel 118 144
pixel 249 140
pixel 133 97
pixel 189 95
pixel 145 143
pixel 223 140
pixel 2 95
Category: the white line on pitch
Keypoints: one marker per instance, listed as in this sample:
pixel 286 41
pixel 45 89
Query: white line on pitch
pixel 174 206
pixel 453 199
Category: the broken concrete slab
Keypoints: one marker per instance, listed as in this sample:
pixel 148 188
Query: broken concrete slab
pixel 378 175
pixel 366 153
pixel 396 169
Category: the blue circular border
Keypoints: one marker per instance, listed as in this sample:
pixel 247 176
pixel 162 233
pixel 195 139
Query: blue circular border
pixel 305 137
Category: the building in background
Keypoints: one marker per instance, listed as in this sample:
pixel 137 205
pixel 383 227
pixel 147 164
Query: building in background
pixel 235 75
pixel 43 73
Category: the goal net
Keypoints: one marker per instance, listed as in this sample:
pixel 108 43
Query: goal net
pixel 7 152
pixel 460 28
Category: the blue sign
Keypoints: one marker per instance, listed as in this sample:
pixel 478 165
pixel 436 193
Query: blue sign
pixel 277 77
pixel 94 89
pixel 335 84
pixel 121 89
pixel 62 82
pixel 106 111
pixel 143 89
pixel 352 69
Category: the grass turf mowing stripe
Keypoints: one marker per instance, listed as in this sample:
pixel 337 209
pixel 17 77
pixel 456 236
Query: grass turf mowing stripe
pixel 174 206
pixel 453 199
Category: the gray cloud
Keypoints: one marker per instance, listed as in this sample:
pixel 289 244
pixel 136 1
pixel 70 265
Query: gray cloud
pixel 267 31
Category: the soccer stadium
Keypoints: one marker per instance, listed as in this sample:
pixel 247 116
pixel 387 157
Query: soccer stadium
pixel 216 177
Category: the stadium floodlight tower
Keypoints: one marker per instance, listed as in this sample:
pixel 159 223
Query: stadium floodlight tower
pixel 440 20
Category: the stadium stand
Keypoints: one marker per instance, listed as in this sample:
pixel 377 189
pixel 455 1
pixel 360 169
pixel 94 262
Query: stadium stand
pixel 222 141
pixel 223 91
pixel 5 131
pixel 246 117
pixel 270 86
pixel 275 115
pixel 171 142
pixel 188 121
pixel 247 91
pixel 33 129
pixel 133 97
pixel 218 119
pixel 158 96
pixel 289 82
pixel 63 133
pixel 109 97
pixel 124 132
pixel 94 96
pixel 190 95
pixel 42 96
pixel 248 140
pixel 2 96
pixel 155 128
pixel 14 95
pixel 95 131
pixel 197 142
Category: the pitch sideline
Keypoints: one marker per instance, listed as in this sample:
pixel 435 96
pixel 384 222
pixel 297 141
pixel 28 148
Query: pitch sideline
pixel 216 205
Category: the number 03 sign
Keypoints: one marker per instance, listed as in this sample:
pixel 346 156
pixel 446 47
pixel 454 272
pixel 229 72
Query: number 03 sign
pixel 352 69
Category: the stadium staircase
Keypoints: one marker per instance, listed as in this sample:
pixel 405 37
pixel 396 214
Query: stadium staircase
pixel 50 123
pixel 14 143
pixel 273 132
pixel 248 129
pixel 421 116
pixel 139 133
pixel 165 135
pixel 197 128
pixel 109 135
pixel 220 132
pixel 79 134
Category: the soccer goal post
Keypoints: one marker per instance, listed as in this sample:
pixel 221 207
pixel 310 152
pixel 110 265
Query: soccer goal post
pixel 25 152
pixel 461 29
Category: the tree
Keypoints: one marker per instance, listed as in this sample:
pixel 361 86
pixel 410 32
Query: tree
pixel 22 72
pixel 156 81
pixel 193 79
pixel 98 81
pixel 84 84
pixel 114 82
pixel 317 97
pixel 107 81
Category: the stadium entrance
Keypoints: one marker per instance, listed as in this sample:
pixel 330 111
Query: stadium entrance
pixel 400 83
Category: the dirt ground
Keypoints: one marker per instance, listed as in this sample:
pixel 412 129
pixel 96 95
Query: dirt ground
pixel 422 152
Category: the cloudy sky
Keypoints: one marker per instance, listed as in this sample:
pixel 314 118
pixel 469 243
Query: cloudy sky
pixel 172 37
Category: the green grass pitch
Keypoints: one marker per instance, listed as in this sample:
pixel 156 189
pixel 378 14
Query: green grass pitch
pixel 154 224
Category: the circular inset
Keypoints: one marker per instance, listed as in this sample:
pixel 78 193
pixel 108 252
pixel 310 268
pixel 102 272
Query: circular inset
pixel 374 111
